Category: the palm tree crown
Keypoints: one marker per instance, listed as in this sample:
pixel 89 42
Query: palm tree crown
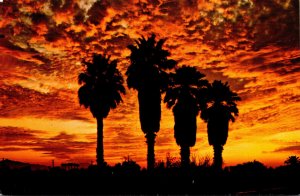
pixel 292 161
pixel 220 94
pixel 102 85
pixel 186 82
pixel 182 95
pixel 149 61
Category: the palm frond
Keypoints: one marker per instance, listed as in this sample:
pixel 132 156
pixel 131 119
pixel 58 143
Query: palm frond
pixel 84 95
pixel 185 86
pixel 219 95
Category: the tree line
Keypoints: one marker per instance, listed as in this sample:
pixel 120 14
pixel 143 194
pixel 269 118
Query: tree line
pixel 153 73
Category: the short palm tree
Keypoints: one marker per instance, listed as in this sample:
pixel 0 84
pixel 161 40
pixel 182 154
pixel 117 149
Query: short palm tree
pixel 147 74
pixel 221 107
pixel 182 95
pixel 292 161
pixel 102 86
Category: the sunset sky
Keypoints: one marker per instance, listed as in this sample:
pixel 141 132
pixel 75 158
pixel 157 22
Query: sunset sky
pixel 252 44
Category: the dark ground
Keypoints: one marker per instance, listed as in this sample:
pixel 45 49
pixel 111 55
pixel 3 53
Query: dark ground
pixel 251 178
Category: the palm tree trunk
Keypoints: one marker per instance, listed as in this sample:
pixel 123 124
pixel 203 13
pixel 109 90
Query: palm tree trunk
pixel 218 160
pixel 185 156
pixel 150 156
pixel 99 149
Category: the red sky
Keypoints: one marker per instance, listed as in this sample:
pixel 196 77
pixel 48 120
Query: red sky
pixel 252 44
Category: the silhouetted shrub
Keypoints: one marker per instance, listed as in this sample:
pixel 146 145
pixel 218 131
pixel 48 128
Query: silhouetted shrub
pixel 128 178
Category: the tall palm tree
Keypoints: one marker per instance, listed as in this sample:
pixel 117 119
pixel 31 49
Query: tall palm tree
pixel 221 107
pixel 182 95
pixel 102 86
pixel 147 74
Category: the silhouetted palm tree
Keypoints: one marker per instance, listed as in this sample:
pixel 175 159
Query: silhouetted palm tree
pixel 220 109
pixel 102 85
pixel 182 95
pixel 292 161
pixel 147 75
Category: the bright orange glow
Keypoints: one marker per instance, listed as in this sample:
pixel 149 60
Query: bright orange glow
pixel 249 43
